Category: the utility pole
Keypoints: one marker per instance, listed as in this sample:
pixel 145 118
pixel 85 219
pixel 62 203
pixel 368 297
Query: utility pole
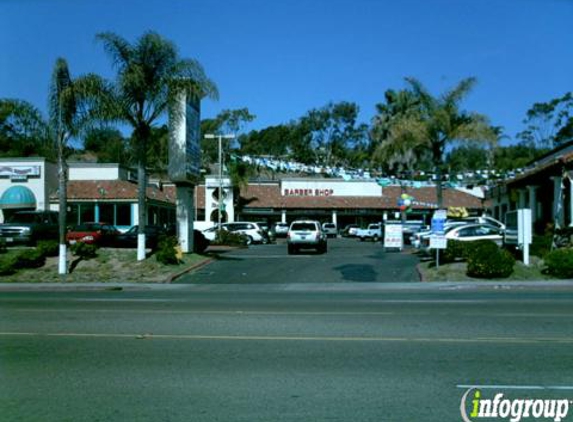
pixel 220 139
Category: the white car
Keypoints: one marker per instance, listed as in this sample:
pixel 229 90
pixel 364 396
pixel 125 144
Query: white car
pixel 473 232
pixel 252 231
pixel 281 229
pixel 305 234
pixel 330 229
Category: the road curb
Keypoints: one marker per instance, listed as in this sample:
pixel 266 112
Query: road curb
pixel 173 277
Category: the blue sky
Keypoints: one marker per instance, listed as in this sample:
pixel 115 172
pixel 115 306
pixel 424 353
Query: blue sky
pixel 283 58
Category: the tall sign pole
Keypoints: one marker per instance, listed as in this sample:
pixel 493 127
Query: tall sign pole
pixel 185 163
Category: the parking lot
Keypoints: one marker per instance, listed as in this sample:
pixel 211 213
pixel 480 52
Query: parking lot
pixel 347 260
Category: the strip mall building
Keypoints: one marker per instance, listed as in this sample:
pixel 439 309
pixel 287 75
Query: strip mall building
pixel 107 192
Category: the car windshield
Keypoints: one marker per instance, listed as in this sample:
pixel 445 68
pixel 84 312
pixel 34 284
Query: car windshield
pixel 24 218
pixel 303 227
pixel 86 227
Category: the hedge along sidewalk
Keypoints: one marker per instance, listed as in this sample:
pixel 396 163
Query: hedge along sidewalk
pixel 456 271
pixel 109 266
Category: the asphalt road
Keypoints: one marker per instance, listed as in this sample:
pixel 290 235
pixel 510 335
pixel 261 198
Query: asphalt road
pixel 347 261
pixel 299 352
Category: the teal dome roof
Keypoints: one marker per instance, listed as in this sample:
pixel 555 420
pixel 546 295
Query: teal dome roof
pixel 17 197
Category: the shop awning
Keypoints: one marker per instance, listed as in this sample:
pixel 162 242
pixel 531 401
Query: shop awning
pixel 17 197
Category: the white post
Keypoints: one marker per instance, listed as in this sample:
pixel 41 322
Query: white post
pixel 335 217
pixel 570 202
pixel 185 217
pixel 221 197
pixel 283 216
pixel 557 201
pixel 521 200
pixel 533 203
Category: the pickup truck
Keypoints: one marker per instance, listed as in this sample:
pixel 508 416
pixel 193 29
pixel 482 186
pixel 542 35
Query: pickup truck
pixel 27 227
pixel 373 232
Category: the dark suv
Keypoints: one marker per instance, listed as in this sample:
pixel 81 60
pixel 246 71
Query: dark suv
pixel 27 227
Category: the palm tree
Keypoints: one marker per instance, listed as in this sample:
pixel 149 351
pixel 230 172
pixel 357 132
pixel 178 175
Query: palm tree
pixel 434 124
pixel 150 77
pixel 65 121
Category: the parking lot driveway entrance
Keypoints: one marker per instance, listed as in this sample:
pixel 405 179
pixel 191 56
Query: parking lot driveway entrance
pixel 347 261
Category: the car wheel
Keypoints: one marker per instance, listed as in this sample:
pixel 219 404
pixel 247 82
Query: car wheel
pixel 324 248
pixel 249 240
pixel 291 250
pixel 362 239
pixel 375 238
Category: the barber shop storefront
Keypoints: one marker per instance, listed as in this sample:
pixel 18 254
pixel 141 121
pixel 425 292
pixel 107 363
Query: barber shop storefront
pixel 328 200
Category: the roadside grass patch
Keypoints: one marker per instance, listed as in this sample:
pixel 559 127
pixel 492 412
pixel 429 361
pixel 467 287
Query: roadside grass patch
pixel 457 271
pixel 110 266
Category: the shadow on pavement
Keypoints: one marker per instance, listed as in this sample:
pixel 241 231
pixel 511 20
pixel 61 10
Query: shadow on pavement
pixel 356 272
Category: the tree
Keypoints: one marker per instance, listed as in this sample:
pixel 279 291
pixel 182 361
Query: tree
pixel 108 144
pixel 23 130
pixel 333 131
pixel 150 76
pixel 469 157
pixel 227 121
pixel 549 124
pixel 407 154
pixel 66 119
pixel 433 125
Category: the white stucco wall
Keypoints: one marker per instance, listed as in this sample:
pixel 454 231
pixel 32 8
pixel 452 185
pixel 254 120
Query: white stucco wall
pixel 83 171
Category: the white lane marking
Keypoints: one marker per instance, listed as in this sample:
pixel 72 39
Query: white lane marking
pixel 294 338
pixel 126 300
pixel 516 387
pixel 294 313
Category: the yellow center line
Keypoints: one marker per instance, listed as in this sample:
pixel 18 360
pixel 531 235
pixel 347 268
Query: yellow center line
pixel 511 340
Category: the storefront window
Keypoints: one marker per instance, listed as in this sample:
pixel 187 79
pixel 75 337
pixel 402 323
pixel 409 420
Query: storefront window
pixel 123 215
pixel 87 213
pixel 106 213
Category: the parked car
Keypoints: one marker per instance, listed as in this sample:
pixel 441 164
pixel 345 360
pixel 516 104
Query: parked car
pixel 372 232
pixel 304 234
pixel 27 227
pixel 267 229
pixel 422 237
pixel 129 238
pixel 253 232
pixel 281 229
pixel 211 233
pixel 471 233
pixel 350 230
pixel 330 229
pixel 101 234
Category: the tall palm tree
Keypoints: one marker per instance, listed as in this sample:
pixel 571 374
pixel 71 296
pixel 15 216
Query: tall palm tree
pixel 64 122
pixel 149 78
pixel 436 123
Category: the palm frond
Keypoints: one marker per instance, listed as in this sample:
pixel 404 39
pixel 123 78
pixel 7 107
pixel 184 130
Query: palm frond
pixel 456 94
pixel 117 48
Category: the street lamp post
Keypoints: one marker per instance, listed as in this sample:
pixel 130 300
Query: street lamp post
pixel 220 138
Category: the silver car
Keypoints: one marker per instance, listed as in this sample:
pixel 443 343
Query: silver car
pixel 330 229
pixel 306 234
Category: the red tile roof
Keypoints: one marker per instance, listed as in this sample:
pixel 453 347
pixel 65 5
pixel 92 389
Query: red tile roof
pixel 113 190
pixel 269 196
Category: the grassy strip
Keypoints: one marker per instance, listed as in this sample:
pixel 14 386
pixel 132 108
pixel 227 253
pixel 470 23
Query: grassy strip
pixel 110 266
pixel 457 272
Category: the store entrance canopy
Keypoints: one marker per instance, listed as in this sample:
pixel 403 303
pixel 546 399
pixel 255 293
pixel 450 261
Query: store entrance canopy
pixel 17 197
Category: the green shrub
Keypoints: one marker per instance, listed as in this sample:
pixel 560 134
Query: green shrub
pixel 453 252
pixel 30 258
pixel 541 245
pixel 8 265
pixel 84 250
pixel 48 247
pixel 227 238
pixel 487 260
pixel 560 263
pixel 166 253
pixel 2 246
